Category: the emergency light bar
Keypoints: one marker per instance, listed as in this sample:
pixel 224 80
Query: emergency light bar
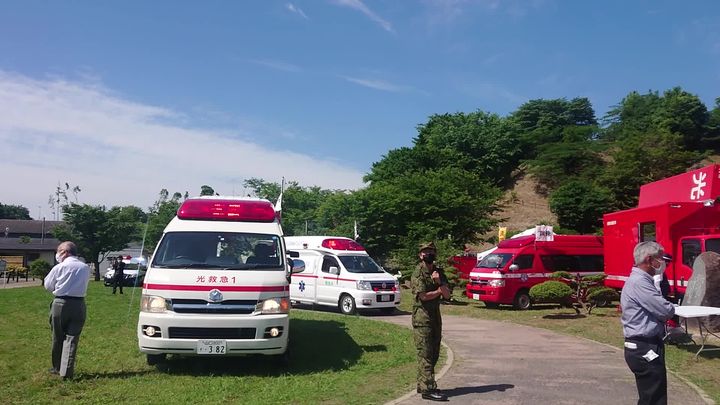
pixel 341 244
pixel 227 210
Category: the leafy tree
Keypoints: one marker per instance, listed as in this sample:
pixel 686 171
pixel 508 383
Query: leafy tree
pixel 540 122
pixel 448 203
pixel 576 155
pixel 40 268
pixel 13 212
pixel 161 213
pixel 133 215
pixel 641 159
pixel 95 230
pixel 206 190
pixel 479 142
pixel 579 205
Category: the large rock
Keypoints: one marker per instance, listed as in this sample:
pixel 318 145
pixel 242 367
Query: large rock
pixel 704 286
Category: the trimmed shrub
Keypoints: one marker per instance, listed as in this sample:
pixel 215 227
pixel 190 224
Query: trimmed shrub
pixel 40 268
pixel 551 292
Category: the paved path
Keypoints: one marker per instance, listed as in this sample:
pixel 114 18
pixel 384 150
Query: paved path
pixel 21 283
pixel 504 363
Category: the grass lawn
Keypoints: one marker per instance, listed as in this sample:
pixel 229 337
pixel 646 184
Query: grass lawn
pixel 335 359
pixel 603 325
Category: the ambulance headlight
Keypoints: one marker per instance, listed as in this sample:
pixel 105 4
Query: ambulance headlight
pixel 364 285
pixel 274 306
pixel 496 283
pixel 152 303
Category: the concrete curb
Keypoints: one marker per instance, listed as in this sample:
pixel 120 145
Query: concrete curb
pixel 438 376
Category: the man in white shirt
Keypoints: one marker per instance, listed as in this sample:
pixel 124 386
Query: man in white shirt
pixel 68 282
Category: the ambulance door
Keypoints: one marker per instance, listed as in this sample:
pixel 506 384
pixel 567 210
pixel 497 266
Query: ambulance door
pixel 304 284
pixel 327 282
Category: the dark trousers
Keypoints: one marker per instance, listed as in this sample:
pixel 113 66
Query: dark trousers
pixel 650 376
pixel 67 318
pixel 117 283
pixel 427 342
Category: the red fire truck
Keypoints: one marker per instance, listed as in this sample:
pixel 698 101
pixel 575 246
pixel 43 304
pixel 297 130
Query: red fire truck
pixel 506 275
pixel 681 213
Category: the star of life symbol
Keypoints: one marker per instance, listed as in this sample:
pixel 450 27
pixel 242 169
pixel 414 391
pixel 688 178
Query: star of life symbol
pixel 302 286
pixel 697 191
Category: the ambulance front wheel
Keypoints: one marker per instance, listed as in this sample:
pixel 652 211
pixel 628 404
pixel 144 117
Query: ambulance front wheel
pixel 283 360
pixel 522 300
pixel 347 304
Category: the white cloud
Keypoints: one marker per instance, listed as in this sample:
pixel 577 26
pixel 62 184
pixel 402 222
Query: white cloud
pixel 277 65
pixel 488 91
pixel 297 10
pixel 382 85
pixel 123 152
pixel 361 7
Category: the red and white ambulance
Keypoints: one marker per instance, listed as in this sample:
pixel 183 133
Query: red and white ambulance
pixel 217 283
pixel 339 272
pixel 506 275
pixel 680 212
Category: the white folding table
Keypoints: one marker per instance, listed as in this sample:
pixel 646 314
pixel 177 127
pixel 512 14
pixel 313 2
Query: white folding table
pixel 699 312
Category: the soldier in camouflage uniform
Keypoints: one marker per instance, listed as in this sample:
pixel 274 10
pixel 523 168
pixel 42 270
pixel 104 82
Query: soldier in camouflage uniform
pixel 428 286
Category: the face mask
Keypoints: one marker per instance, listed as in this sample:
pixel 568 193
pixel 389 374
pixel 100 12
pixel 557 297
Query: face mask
pixel 660 269
pixel 429 258
pixel 58 258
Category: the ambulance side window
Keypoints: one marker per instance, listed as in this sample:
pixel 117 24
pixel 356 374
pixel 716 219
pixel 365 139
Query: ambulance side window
pixel 329 261
pixel 524 261
pixel 690 250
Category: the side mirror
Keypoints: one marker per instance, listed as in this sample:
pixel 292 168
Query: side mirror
pixel 298 266
pixel 334 270
pixel 514 267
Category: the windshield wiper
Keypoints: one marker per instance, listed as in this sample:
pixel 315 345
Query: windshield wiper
pixel 192 266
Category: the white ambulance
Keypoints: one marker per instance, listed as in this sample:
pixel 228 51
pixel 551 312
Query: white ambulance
pixel 217 283
pixel 339 272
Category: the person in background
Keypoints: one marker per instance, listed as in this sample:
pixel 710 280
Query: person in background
pixel 68 282
pixel 644 313
pixel 118 274
pixel 427 287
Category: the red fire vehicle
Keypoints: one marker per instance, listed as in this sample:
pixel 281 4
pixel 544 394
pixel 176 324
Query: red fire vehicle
pixel 506 275
pixel 681 213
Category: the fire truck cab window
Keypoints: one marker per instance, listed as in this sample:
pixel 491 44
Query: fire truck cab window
pixel 712 245
pixel 524 261
pixel 690 250
pixel 573 263
pixel 647 232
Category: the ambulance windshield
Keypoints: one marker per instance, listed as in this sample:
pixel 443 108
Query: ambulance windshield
pixel 494 260
pixel 219 250
pixel 712 245
pixel 360 264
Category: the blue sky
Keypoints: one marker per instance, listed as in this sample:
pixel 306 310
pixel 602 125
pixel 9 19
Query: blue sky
pixel 176 94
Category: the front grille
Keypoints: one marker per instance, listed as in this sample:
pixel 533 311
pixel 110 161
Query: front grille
pixel 479 282
pixel 211 333
pixel 234 307
pixel 378 285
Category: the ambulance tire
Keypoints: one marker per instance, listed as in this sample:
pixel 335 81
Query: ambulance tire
pixel 522 300
pixel 156 359
pixel 347 304
pixel 283 360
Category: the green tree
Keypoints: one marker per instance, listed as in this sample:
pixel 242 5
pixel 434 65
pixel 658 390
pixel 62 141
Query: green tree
pixel 160 214
pixel 40 268
pixel 448 203
pixel 579 205
pixel 10 211
pixel 206 190
pixel 95 230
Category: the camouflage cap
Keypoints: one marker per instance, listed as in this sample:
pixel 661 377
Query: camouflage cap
pixel 427 246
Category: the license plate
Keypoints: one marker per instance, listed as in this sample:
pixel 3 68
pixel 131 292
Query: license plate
pixel 211 347
pixel 385 298
pixel 476 297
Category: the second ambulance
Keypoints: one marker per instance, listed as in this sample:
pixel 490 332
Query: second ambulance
pixel 338 272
